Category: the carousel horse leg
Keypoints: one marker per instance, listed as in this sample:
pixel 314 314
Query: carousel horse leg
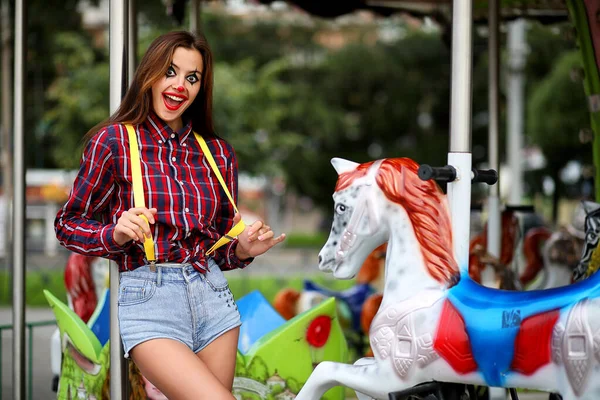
pixel 364 361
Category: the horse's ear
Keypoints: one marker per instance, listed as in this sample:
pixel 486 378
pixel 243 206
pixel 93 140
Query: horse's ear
pixel 590 206
pixel 342 165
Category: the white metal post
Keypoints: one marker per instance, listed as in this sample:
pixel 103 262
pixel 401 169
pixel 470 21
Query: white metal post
pixel 18 250
pixel 118 84
pixel 459 191
pixel 517 50
pixel 6 128
pixel 494 227
pixel 132 37
pixel 195 16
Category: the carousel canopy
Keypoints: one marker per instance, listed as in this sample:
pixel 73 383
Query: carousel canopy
pixel 543 10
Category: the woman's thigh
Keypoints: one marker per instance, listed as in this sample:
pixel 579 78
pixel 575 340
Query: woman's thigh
pixel 219 356
pixel 177 372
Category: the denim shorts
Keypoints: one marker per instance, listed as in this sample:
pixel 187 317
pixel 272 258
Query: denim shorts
pixel 175 302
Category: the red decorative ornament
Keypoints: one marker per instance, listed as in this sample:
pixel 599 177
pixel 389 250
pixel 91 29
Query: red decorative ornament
pixel 318 331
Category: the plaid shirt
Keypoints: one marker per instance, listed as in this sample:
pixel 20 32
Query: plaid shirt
pixel 193 209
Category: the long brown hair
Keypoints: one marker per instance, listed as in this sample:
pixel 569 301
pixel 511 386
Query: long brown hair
pixel 137 103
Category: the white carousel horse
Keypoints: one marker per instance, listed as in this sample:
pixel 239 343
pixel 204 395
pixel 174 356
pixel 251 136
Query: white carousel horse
pixel 435 323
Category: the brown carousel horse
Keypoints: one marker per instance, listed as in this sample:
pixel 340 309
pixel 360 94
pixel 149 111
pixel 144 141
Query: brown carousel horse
pixel 507 277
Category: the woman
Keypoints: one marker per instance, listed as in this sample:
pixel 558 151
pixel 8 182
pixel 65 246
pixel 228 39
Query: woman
pixel 178 320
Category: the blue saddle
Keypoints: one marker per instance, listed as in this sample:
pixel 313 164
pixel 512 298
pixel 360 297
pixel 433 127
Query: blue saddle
pixel 354 297
pixel 493 317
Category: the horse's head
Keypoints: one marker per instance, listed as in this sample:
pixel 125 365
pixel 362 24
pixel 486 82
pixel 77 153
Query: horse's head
pixel 386 200
pixel 357 228
pixel 592 237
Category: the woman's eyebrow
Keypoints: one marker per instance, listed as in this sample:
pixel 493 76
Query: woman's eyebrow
pixel 191 72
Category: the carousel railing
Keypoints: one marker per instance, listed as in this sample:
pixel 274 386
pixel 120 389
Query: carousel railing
pixel 29 326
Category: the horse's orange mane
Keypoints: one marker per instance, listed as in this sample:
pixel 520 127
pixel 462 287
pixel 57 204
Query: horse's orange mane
pixel 425 206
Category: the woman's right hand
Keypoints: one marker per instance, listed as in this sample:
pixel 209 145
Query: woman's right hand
pixel 132 225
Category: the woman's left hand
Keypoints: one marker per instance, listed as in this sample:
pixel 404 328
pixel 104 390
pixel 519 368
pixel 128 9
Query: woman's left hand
pixel 255 240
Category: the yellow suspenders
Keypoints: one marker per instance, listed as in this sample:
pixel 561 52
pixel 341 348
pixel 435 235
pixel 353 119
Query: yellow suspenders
pixel 138 192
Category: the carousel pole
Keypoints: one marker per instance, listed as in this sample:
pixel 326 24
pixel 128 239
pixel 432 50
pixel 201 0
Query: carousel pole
pixel 118 85
pixel 18 240
pixel 516 110
pixel 584 15
pixel 132 37
pixel 493 207
pixel 459 156
pixel 195 16
pixel 6 127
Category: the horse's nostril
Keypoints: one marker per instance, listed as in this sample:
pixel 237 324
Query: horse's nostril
pixel 320 259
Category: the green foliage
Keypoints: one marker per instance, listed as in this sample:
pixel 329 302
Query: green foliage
pixel 35 283
pixel 557 112
pixel 79 97
pixel 305 241
pixel 288 105
pixel 53 280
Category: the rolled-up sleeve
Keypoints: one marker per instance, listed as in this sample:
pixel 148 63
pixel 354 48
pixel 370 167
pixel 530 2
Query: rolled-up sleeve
pixel 75 225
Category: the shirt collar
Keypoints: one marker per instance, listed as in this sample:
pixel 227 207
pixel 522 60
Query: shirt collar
pixel 161 131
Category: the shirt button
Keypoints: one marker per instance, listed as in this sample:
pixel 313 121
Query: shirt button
pixel 187 209
pixel 181 183
pixel 184 145
pixel 173 159
pixel 172 135
pixel 160 141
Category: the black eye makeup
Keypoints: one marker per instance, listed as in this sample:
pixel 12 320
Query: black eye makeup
pixel 193 78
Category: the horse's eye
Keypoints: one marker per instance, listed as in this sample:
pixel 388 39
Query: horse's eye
pixel 340 209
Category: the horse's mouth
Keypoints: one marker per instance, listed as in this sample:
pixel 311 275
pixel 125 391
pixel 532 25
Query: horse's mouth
pixel 328 265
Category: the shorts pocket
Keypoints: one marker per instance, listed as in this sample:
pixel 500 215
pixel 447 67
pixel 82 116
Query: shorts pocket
pixel 216 279
pixel 135 291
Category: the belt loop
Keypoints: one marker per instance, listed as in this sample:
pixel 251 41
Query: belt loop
pixel 159 277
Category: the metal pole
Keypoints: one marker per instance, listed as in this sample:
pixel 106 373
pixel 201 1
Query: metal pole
pixel 494 225
pixel 132 38
pixel 494 232
pixel 118 85
pixel 515 116
pixel 459 191
pixel 195 16
pixel 18 251
pixel 6 128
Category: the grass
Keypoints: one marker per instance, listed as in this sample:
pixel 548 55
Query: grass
pixel 53 280
pixel 305 240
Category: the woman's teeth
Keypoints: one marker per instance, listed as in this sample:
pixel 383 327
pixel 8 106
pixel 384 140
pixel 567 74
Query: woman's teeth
pixel 179 99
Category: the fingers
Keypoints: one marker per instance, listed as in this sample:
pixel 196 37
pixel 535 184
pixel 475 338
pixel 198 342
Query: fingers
pixel 134 224
pixel 146 212
pixel 237 218
pixel 261 234
pixel 255 227
pixel 130 229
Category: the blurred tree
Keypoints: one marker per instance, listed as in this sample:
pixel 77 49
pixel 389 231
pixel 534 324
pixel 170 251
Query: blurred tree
pixel 78 97
pixel 288 104
pixel 45 20
pixel 557 114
